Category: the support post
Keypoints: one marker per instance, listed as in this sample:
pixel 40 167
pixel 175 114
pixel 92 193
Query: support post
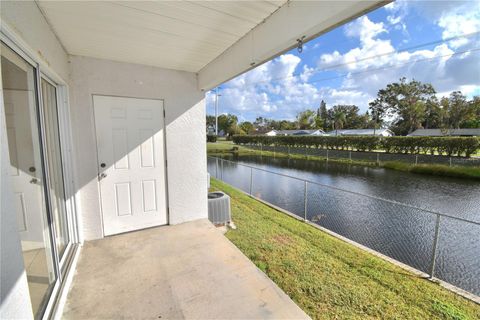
pixel 221 170
pixel 434 249
pixel 305 195
pixel 251 180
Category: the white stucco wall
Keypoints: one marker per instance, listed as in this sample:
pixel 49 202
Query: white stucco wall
pixel 185 131
pixel 23 23
pixel 25 19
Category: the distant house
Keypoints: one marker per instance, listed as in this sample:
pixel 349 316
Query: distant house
pixel 362 132
pixel 444 133
pixel 316 132
pixel 210 129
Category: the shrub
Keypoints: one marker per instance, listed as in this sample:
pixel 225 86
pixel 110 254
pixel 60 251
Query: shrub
pixel 450 146
pixel 211 138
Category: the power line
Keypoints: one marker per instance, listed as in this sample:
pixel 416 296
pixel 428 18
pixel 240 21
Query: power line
pixel 377 69
pixel 317 70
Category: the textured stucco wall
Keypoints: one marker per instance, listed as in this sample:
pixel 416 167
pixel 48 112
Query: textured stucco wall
pixel 185 117
pixel 26 20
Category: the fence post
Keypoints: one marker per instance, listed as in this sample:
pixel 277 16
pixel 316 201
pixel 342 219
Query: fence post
pixel 251 180
pixel 350 155
pixel 327 154
pixel 216 168
pixel 450 161
pixel 416 159
pixel 305 202
pixel 261 149
pixel 434 250
pixel 274 150
pixel 378 158
pixel 221 170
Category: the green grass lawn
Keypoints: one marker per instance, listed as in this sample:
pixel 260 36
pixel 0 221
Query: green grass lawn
pixel 329 278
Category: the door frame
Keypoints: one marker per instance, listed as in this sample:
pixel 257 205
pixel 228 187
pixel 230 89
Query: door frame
pixel 165 162
pixel 63 267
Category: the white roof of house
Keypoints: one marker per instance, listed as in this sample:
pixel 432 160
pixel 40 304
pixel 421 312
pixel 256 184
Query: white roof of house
pixel 359 132
pixel 449 132
pixel 216 39
pixel 297 132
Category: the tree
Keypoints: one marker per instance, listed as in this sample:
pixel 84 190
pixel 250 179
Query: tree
pixel 287 125
pixel 210 122
pixel 338 120
pixel 405 101
pixel 306 119
pixel 227 123
pixel 433 115
pixel 247 127
pixel 353 120
pixel 322 115
pixel 474 119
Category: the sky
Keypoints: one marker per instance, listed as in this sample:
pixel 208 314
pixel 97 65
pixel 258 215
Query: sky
pixel 437 42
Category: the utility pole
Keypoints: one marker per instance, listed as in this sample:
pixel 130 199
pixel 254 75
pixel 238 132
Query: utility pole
pixel 216 110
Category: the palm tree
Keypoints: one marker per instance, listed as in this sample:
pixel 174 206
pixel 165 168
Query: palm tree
pixel 338 120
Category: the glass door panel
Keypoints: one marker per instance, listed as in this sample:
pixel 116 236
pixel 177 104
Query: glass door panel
pixel 54 160
pixel 18 79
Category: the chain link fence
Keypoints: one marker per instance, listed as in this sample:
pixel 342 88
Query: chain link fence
pixel 370 156
pixel 440 245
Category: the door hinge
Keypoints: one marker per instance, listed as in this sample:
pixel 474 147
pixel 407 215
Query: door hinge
pixel 164 113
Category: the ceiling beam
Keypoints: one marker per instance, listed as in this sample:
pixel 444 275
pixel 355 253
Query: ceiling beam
pixel 279 33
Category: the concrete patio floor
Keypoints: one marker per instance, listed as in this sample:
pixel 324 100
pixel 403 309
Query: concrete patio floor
pixel 186 271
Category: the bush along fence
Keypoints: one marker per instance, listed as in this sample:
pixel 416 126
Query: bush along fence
pixel 449 146
pixel 211 138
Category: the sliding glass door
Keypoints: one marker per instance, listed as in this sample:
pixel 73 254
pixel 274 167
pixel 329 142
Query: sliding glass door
pixel 54 160
pixel 31 113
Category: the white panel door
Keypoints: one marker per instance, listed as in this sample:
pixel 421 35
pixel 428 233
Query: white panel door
pixel 131 162
pixel 25 166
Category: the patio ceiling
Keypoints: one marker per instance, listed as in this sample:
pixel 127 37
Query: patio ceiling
pixel 177 35
pixel 216 39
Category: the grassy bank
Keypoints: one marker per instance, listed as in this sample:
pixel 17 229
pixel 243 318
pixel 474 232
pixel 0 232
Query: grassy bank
pixel 330 279
pixel 436 169
pixel 224 148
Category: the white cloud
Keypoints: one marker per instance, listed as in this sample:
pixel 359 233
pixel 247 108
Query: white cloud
pixel 268 89
pixel 280 88
pixel 448 72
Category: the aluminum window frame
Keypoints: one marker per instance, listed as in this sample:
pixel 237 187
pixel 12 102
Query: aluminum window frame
pixel 62 266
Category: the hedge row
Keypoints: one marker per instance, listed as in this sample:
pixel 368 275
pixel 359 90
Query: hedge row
pixel 211 138
pixel 451 146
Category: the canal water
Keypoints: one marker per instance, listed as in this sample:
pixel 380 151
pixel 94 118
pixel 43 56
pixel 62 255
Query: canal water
pixel 348 201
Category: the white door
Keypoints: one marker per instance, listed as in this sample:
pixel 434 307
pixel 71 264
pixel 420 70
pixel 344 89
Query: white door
pixel 131 162
pixel 25 166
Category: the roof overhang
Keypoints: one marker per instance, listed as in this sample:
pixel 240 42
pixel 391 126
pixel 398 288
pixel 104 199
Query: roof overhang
pixel 217 40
